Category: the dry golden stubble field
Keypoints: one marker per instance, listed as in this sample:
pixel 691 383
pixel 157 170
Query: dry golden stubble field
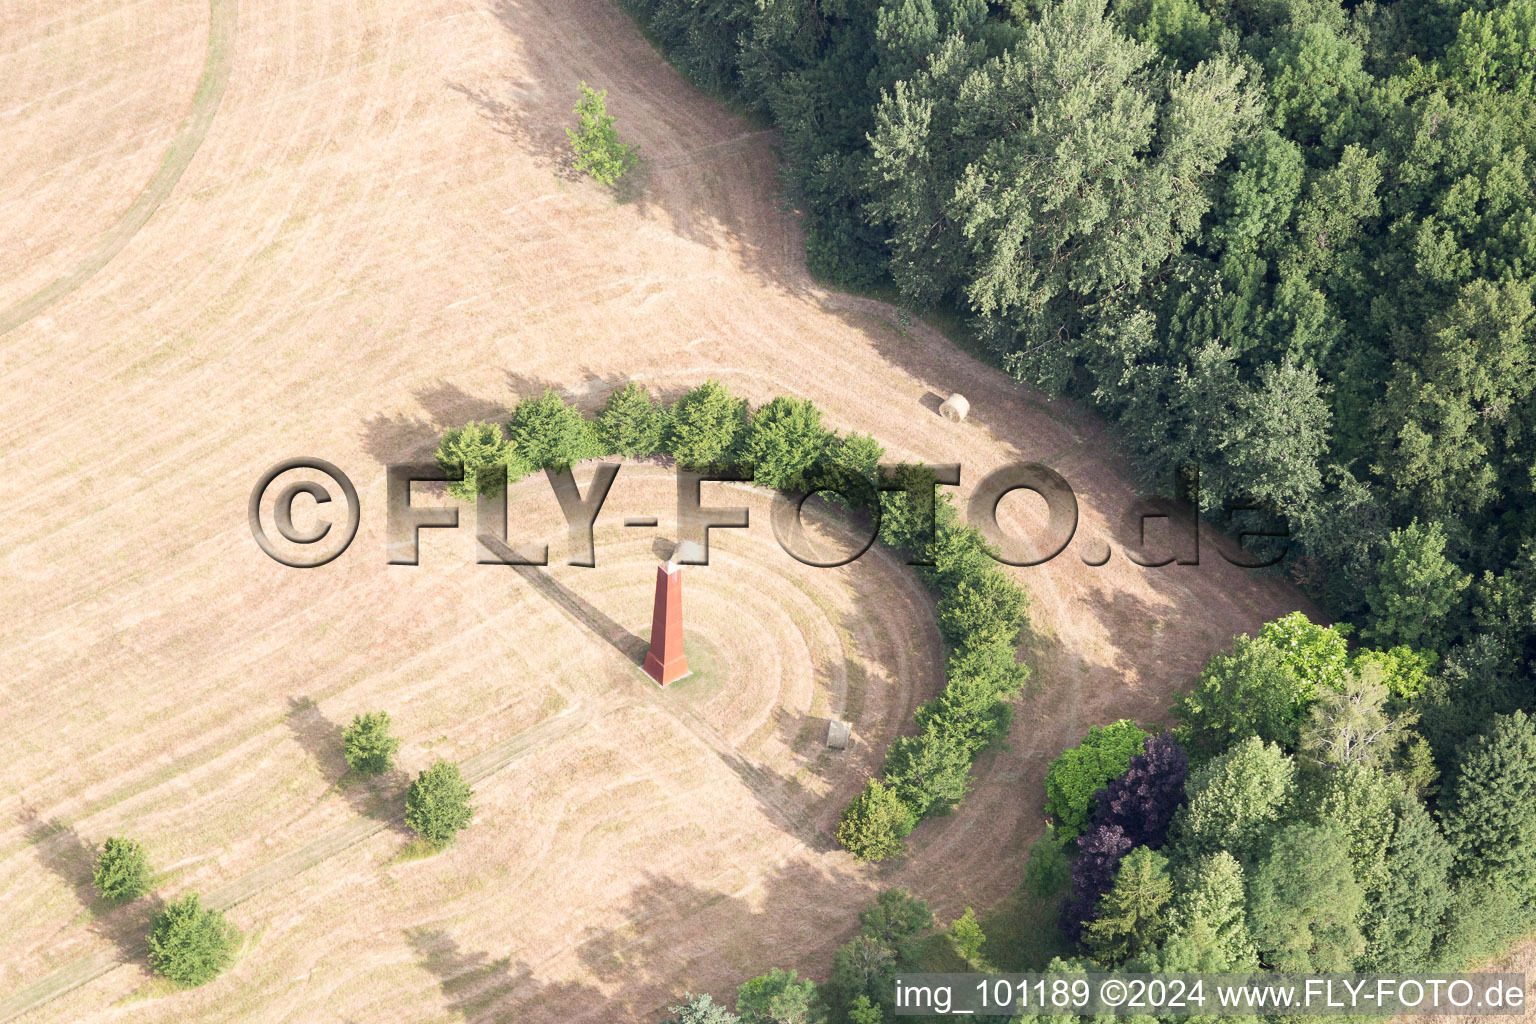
pixel 376 239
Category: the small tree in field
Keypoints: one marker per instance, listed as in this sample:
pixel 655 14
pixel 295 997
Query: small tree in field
pixel 550 434
pixel 122 870
pixel 599 152
pixel 967 937
pixel 190 943
pixel 369 746
pixel 437 804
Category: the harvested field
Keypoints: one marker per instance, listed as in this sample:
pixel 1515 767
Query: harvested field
pixel 372 239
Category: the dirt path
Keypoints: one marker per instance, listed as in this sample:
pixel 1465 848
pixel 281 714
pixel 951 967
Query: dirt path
pixel 222 20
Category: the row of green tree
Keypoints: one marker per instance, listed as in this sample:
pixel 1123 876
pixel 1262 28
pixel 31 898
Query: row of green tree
pixel 707 428
pixel 190 942
pixel 1292 242
pixel 981 614
pixel 1297 820
pixel 783 445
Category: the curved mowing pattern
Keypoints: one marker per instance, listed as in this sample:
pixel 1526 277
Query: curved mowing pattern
pixel 796 636
pixel 205 103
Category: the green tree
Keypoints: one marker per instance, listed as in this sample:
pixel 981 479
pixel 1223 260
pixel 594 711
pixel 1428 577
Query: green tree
pixel 1418 592
pixel 122 871
pixel 971 706
pixel 1249 692
pixel 487 458
pixel 1316 79
pixel 864 966
pixel 706 427
pixel 1356 802
pixel 1304 903
pixel 1209 918
pixel 778 997
pixel 1318 655
pixel 1235 800
pixel 632 423
pixel 1483 916
pixel 983 608
pixel 1133 915
pixel 966 936
pixel 699 1009
pixel 929 772
pixel 1088 194
pixel 1411 891
pixel 1279 439
pixel 910 513
pixel 875 826
pixel 595 141
pixel 1351 725
pixel 785 439
pixel 1416 768
pixel 1077 774
pixel 1493 51
pixel 1404 671
pixel 1264 687
pixel 370 748
pixel 190 943
pixel 1179 29
pixel 852 465
pixel 437 803
pixel 1260 192
pixel 1489 805
pixel 897 919
pixel 862 1011
pixel 1048 870
pixel 1449 414
pixel 549 434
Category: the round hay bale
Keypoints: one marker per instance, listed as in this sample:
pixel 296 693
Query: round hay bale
pixel 954 408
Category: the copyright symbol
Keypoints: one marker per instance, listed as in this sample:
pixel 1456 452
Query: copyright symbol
pixel 282 512
pixel 1112 992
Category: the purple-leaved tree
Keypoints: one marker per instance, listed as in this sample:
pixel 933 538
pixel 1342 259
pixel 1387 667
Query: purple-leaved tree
pixel 1133 810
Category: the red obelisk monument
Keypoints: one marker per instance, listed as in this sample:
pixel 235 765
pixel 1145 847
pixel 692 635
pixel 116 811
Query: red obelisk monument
pixel 665 663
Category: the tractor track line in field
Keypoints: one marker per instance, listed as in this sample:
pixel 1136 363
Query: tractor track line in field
pixel 222 18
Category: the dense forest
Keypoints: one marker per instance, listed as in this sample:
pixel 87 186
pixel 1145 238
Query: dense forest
pixel 1290 242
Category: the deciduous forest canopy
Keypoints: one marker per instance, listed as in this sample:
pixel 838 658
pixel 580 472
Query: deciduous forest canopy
pixel 1292 242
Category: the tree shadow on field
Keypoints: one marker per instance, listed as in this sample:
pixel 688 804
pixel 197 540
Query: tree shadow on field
pixel 478 988
pixel 519 114
pixel 589 396
pixel 587 615
pixel 679 937
pixel 406 438
pixel 1130 679
pixel 403 437
pixel 711 175
pixel 62 851
pixel 381 798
